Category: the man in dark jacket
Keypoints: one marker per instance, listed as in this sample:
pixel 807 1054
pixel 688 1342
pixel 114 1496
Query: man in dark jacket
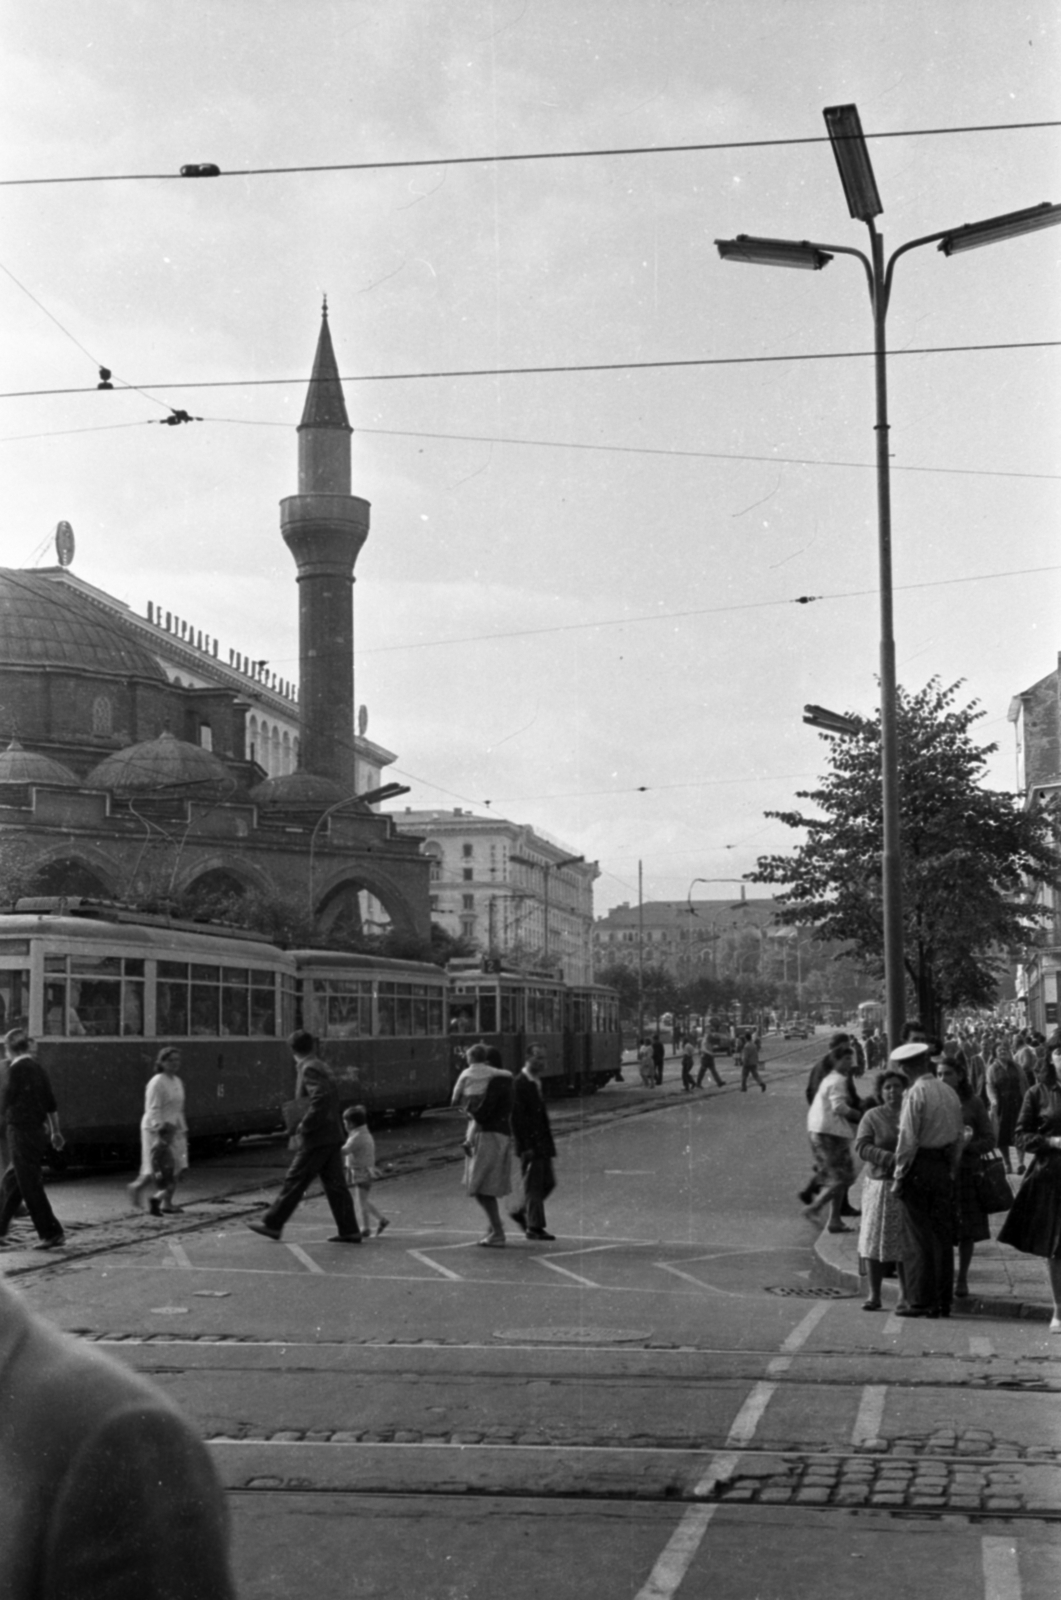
pixel 533 1139
pixel 31 1121
pixel 317 1140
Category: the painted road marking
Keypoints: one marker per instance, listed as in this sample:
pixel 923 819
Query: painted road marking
pixel 1001 1572
pixel 426 1261
pixel 306 1259
pixel 587 1283
pixel 870 1414
pixel 733 1294
pixel 980 1347
pixel 677 1555
pixel 179 1254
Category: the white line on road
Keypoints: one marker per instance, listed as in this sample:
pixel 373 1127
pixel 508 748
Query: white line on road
pixel 587 1283
pixel 306 1259
pixel 426 1261
pixel 179 1254
pixel 1001 1572
pixel 980 1347
pixel 732 1294
pixel 870 1413
pixel 677 1555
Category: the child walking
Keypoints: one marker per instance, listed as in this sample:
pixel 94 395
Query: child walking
pixel 359 1159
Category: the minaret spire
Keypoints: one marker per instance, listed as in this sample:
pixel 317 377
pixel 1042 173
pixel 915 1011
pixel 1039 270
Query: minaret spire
pixel 324 527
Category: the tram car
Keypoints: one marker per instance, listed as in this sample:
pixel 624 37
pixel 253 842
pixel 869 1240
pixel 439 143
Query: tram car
pixel 102 991
pixel 577 1026
pixel 381 1027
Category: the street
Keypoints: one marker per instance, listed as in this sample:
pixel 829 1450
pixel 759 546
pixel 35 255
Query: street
pixel 664 1401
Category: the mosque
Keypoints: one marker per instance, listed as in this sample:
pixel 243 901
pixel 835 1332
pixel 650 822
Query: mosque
pixel 142 766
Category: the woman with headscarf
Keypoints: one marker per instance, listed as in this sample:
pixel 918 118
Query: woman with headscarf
pixel 1005 1093
pixel 880 1234
pixel 163 1135
pixel 1033 1225
pixel 488 1168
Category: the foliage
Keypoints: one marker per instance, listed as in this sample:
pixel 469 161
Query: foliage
pixel 965 851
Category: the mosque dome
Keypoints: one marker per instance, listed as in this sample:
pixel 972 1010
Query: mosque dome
pixel 297 791
pixel 46 624
pixel 162 763
pixel 27 766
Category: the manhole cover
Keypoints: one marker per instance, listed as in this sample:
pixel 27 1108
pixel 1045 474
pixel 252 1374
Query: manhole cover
pixel 807 1292
pixel 584 1335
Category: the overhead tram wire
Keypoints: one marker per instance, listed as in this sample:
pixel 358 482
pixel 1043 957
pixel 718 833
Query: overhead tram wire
pixel 527 155
pixel 560 368
pixel 571 444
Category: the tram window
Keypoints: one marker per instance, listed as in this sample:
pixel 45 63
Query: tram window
pixel 288 999
pixel 14 997
pixel 235 1012
pixel 488 1013
pixel 511 1011
pixel 420 1026
pixel 263 1005
pixel 203 1014
pixel 435 1015
pixel 462 1019
pixel 403 1018
pixel 385 1010
pixel 55 1007
pixel 133 1005
pixel 171 1004
pixel 349 1009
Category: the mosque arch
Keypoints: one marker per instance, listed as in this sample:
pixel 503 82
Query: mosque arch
pixel 71 873
pixel 362 903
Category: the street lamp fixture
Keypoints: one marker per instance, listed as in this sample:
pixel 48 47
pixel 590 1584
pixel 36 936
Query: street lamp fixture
pixel 1010 226
pixel 860 188
pixel 830 721
pixel 774 252
pixel 844 128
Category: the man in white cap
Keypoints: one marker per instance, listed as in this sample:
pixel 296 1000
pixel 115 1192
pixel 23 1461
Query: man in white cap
pixel 931 1138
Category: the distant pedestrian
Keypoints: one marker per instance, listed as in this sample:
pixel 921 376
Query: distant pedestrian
pixel 1005 1093
pixel 534 1144
pixel 707 1065
pixel 749 1063
pixel 163 1135
pixel 659 1055
pixel 488 1168
pixel 359 1164
pixel 688 1062
pixel 645 1065
pixel 317 1140
pixel 30 1117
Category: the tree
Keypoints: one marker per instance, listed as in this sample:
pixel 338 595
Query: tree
pixel 965 853
pixel 623 979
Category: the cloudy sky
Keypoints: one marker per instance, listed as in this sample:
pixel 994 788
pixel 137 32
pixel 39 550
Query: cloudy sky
pixel 579 598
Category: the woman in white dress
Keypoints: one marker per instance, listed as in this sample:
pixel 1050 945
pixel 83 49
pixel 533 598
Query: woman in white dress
pixel 163 1135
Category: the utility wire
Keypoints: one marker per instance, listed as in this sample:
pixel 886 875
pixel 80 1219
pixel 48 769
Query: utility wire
pixel 572 444
pixel 589 366
pixel 529 155
pixel 700 611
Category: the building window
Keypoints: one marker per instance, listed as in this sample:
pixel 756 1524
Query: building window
pixel 466 851
pixel 102 715
pixel 206 736
pixel 468 902
pixel 433 902
pixel 468 927
pixel 468 874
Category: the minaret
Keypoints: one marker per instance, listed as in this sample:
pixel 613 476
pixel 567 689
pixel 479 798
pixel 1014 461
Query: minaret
pixel 324 527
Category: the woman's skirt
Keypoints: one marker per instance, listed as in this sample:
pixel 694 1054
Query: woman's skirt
pixel 880 1233
pixel 972 1218
pixel 1033 1223
pixel 488 1168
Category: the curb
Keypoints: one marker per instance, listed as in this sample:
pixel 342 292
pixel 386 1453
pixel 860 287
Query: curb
pixel 834 1268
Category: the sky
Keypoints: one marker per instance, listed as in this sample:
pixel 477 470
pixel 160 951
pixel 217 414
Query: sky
pixel 579 603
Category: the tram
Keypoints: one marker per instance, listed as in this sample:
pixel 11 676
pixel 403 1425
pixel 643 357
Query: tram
pixel 381 1027
pixel 101 990
pixel 577 1026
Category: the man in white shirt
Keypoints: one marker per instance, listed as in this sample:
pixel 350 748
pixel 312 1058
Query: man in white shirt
pixel 931 1138
pixel 831 1122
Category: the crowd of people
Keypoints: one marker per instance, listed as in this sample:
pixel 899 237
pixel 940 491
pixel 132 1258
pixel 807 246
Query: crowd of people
pixel 937 1113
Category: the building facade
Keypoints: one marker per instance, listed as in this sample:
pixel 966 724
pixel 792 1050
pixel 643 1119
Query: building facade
pixel 697 938
pixel 515 894
pixel 1036 718
pixel 142 766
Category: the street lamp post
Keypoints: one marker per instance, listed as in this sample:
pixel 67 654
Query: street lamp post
pixel 864 204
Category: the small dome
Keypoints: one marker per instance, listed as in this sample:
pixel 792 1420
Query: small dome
pixel 301 791
pixel 162 763
pixel 44 623
pixel 28 766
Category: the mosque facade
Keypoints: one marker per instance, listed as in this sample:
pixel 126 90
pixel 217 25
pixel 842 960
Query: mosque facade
pixel 142 766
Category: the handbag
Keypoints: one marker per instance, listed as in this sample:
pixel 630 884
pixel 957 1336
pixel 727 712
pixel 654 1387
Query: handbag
pixel 991 1184
pixel 293 1111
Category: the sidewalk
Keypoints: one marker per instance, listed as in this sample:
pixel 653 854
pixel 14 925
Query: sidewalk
pixel 1002 1282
